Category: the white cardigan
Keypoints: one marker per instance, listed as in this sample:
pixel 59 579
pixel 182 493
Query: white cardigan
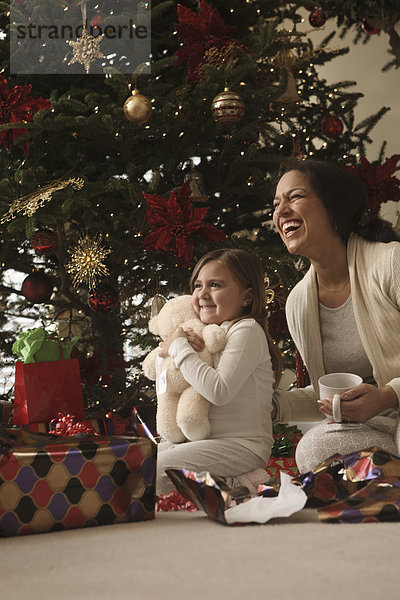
pixel 374 270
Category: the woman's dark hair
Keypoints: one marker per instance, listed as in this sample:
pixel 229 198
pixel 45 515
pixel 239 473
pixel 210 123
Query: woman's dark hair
pixel 345 197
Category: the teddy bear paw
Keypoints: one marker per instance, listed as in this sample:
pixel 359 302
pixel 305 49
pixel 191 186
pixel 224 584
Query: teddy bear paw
pixel 194 431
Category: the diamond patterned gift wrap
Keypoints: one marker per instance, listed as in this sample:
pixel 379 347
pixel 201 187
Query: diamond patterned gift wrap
pixel 50 483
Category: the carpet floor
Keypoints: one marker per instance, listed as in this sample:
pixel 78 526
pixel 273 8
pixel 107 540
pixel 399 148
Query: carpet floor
pixel 188 556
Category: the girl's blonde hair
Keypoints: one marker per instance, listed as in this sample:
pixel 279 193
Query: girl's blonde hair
pixel 247 270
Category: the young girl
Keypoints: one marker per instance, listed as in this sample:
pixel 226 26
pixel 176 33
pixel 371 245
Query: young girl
pixel 227 289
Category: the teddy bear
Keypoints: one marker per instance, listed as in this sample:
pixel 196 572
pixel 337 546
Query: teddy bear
pixel 182 413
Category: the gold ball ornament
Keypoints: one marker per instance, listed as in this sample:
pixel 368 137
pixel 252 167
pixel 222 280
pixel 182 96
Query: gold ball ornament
pixel 137 108
pixel 227 107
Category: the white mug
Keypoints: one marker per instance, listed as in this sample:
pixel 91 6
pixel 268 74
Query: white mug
pixel 334 384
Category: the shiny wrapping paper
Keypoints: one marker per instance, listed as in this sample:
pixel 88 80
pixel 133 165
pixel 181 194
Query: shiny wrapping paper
pixel 50 483
pixel 208 492
pixel 360 487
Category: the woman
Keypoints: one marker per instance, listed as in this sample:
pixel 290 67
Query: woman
pixel 344 314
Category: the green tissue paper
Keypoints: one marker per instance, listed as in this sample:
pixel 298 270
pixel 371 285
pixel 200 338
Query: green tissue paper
pixel 36 345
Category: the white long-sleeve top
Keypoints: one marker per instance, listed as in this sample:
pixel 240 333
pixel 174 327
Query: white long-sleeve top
pixel 239 387
pixel 374 270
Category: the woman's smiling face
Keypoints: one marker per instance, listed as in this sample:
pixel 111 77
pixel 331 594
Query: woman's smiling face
pixel 300 217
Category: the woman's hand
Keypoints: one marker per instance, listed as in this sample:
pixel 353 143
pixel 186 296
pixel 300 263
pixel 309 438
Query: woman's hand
pixel 362 402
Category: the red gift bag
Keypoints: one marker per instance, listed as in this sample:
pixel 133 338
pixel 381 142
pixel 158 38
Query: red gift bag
pixel 43 389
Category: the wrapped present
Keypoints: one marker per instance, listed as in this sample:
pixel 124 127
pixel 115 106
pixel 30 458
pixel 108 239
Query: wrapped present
pixel 287 465
pixel 110 424
pixel 378 500
pixel 359 487
pixel 47 381
pixel 50 483
pixel 286 439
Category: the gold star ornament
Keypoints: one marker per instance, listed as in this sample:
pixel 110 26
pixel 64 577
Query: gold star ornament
pixel 86 49
pixel 86 264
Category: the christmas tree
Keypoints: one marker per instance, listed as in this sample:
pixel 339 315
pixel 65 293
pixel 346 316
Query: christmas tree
pixel 114 180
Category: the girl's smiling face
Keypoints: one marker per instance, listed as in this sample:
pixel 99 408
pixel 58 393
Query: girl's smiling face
pixel 217 296
pixel 300 217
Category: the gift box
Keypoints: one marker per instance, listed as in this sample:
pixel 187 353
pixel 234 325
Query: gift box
pixel 286 439
pixel 287 465
pixel 47 381
pixel 110 424
pixel 360 487
pixel 50 483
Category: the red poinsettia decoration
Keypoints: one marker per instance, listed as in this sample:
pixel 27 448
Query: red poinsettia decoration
pixel 173 220
pixel 205 37
pixel 17 106
pixel 381 183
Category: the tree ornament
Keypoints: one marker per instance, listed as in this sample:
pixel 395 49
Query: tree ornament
pixel 37 287
pixel 156 305
pixel 277 324
pixel 17 106
pixel 44 241
pixel 103 298
pixel 332 127
pixel 173 221
pixel 29 204
pixel 197 186
pixel 206 40
pixel 137 108
pixel 382 184
pixel 86 49
pixel 269 293
pixel 317 17
pixel 87 260
pixel 227 107
pixel 286 59
pixel 368 28
pixel 97 21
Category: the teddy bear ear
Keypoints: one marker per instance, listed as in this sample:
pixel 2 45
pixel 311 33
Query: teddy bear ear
pixel 156 304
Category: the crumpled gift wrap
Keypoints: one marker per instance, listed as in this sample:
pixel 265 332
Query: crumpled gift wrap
pixel 208 492
pixel 36 345
pixel 359 487
pixel 50 483
pixel 236 506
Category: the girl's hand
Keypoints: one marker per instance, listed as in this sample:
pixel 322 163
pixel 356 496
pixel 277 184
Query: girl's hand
pixel 165 344
pixel 195 340
pixel 362 402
